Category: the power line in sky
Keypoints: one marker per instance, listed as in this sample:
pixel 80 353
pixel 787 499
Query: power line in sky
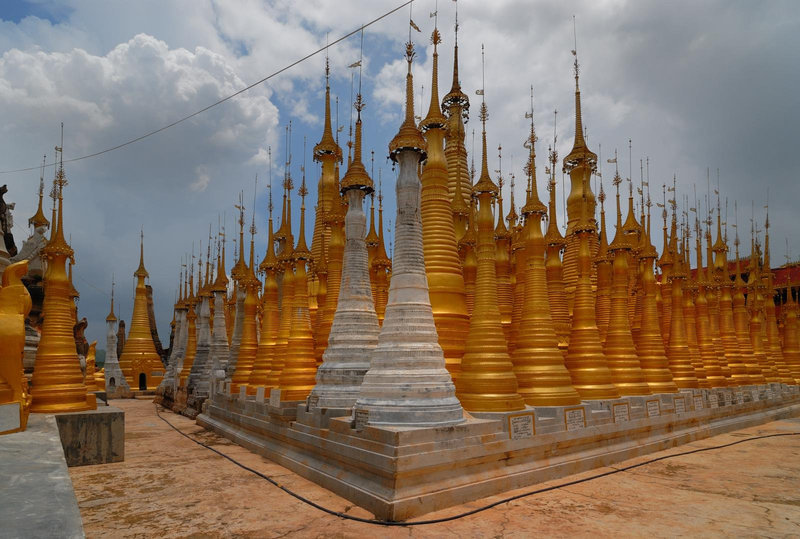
pixel 223 100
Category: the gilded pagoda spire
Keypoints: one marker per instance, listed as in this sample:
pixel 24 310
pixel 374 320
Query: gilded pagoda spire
pixel 708 355
pixel 680 359
pixel 502 239
pixel 770 319
pixel 38 219
pixel 442 265
pixel 381 266
pixel 286 273
pixel 487 382
pixel 300 367
pixel 538 362
pixel 620 352
pixel 248 342
pixel 580 163
pixel 690 291
pixel 604 273
pixel 741 322
pixel 270 315
pixel 555 279
pixel 650 344
pixel 331 238
pixel 727 330
pixel 456 106
pixel 791 340
pixel 58 384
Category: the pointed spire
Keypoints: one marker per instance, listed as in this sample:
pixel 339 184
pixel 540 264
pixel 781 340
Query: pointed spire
pixel 435 118
pixel 408 137
pixel 356 176
pixel 533 204
pixel 580 153
pixel 301 252
pixel 327 145
pixel 455 95
pixel 38 218
pixel 141 271
pixel 111 316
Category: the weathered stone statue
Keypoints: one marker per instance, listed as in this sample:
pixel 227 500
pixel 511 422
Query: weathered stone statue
pixel 15 303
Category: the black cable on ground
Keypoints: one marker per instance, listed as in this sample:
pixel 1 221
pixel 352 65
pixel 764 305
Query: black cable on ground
pixel 479 509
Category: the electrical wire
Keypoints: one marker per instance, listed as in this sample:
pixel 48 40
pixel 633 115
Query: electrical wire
pixel 223 100
pixel 380 522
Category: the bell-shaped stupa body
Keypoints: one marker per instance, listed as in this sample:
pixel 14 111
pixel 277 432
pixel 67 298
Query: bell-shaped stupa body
pixel 407 383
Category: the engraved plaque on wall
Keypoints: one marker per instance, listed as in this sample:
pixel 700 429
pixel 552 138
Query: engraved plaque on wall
pixel 713 402
pixel 362 418
pixel 754 393
pixel 680 405
pixel 622 412
pixel 653 408
pixel 728 398
pixel 575 419
pixel 739 397
pixel 698 402
pixel 520 426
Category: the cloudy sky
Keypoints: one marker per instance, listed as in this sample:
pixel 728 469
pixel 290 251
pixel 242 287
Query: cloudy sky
pixel 694 85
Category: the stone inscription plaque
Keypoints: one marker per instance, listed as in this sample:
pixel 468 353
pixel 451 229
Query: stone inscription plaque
pixel 362 418
pixel 769 393
pixel 680 405
pixel 520 427
pixel 754 393
pixel 728 398
pixel 739 397
pixel 275 398
pixel 622 413
pixel 713 401
pixel 653 408
pixel 575 419
pixel 698 402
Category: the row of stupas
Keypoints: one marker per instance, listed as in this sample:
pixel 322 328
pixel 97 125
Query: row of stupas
pixel 523 314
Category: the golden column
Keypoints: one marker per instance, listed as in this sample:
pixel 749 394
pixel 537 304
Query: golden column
pixel 555 282
pixel 328 153
pixel 299 372
pixel 468 256
pixel 57 378
pixel 15 304
pixel 585 359
pixel 579 163
pixel 248 345
pixel 665 263
pixel 680 359
pixel 713 291
pixel 771 322
pixel 742 326
pixel 690 290
pixel 791 342
pixel 538 363
pixel 442 265
pixel 456 107
pixel 487 382
pixel 286 271
pixel 620 352
pixel 708 355
pixel 604 274
pixel 515 225
pixel 650 344
pixel 382 266
pixel 756 298
pixel 727 331
pixel 191 339
pixel 270 315
pixel 502 260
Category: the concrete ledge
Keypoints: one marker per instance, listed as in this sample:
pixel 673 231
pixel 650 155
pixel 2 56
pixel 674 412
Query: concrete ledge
pixel 36 494
pixel 398 474
pixel 92 437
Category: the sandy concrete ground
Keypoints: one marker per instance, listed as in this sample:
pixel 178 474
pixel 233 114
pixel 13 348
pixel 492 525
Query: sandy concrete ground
pixel 171 487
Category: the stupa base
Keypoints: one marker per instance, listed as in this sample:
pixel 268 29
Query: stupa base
pixel 399 473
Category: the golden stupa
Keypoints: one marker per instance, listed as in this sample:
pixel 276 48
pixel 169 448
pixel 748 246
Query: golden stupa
pixel 15 304
pixel 57 378
pixel 442 264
